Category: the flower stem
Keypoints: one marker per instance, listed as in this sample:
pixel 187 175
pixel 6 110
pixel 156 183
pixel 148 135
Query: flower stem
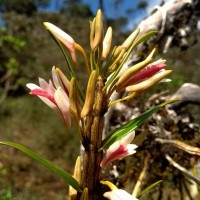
pixel 92 143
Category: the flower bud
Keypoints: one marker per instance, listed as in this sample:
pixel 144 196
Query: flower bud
pixel 131 38
pixel 145 73
pixel 107 44
pixel 149 82
pixel 130 72
pixel 73 97
pixel 63 37
pixel 89 99
pixel 96 33
pixel 77 176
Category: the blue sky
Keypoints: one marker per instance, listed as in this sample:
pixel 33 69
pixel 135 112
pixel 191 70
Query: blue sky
pixel 113 12
pixel 120 11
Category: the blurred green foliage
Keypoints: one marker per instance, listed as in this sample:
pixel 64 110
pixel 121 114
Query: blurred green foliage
pixel 27 7
pixel 5 194
pixel 27 52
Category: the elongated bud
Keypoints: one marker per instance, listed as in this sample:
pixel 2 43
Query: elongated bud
pixel 77 176
pixel 131 38
pixel 84 195
pixel 89 99
pixel 63 37
pixel 115 64
pixel 107 43
pixel 77 169
pixel 127 43
pixel 73 97
pixel 130 72
pixel 149 82
pixel 96 33
pixel 92 32
pixel 145 73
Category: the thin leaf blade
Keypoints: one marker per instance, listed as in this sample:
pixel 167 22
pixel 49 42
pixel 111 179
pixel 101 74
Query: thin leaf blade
pixel 149 188
pixel 131 125
pixel 57 170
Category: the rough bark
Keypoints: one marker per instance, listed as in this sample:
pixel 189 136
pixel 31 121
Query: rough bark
pixel 174 22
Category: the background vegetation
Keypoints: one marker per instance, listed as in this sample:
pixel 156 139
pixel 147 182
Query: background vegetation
pixel 26 52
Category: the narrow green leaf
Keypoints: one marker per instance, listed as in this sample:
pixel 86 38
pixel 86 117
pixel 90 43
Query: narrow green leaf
pixel 140 138
pixel 149 188
pixel 145 37
pixel 58 171
pixel 131 125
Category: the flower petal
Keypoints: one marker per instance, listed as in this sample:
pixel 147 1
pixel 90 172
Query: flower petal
pixel 119 150
pixel 63 103
pixel 145 73
pixel 55 77
pixel 64 82
pixel 47 86
pixel 32 86
pixel 149 82
pixel 66 39
pixel 119 195
pixel 46 100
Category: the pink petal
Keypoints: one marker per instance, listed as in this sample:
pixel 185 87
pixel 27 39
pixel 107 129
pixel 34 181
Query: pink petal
pixel 63 103
pixel 52 105
pixel 119 149
pixel 145 73
pixel 117 154
pixel 47 86
pixel 43 93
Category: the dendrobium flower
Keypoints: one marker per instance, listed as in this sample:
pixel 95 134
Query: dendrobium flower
pixel 63 37
pixel 119 149
pixel 143 79
pixel 116 194
pixel 54 96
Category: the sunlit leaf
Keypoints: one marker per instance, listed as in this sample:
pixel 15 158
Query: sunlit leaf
pixel 131 125
pixel 149 188
pixel 58 171
pixel 140 138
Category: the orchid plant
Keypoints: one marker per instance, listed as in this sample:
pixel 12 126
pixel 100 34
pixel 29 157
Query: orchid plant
pixel 105 77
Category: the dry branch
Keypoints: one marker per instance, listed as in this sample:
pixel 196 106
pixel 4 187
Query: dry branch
pixel 174 22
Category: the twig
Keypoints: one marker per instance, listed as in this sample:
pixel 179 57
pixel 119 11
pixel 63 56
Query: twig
pixel 137 187
pixel 181 145
pixel 182 169
pixel 187 190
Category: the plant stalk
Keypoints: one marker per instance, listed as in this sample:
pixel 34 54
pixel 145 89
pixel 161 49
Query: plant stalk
pixel 93 142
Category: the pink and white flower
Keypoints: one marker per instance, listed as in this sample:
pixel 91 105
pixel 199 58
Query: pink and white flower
pixel 54 95
pixel 119 149
pixel 145 78
pixel 115 193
